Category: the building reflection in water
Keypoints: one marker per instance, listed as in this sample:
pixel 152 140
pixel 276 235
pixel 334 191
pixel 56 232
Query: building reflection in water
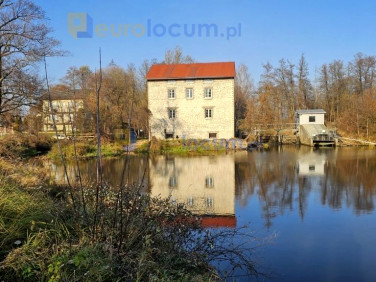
pixel 205 184
pixel 310 163
pixel 282 179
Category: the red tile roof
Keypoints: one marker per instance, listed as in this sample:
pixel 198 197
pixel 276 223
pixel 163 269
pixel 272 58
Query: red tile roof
pixel 192 71
pixel 218 221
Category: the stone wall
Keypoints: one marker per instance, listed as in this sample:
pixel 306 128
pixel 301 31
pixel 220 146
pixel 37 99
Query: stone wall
pixel 190 120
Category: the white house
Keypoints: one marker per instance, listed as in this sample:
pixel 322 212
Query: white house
pixel 310 117
pixel 191 100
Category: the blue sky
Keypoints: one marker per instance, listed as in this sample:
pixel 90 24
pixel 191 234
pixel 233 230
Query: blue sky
pixel 270 30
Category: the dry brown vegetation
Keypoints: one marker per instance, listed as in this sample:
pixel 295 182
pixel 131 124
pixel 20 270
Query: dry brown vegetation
pixel 347 92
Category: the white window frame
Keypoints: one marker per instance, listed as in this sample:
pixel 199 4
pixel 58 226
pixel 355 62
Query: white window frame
pixel 189 93
pixel 208 113
pixel 169 92
pixel 171 113
pixel 208 90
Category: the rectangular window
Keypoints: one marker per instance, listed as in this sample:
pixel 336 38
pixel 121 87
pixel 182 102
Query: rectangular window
pixel 212 135
pixel 209 202
pixel 190 201
pixel 171 93
pixel 173 183
pixel 189 93
pixel 208 93
pixel 171 113
pixel 208 113
pixel 312 118
pixel 209 182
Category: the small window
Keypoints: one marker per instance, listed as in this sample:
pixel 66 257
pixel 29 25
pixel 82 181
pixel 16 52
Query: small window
pixel 191 201
pixel 189 81
pixel 189 93
pixel 208 93
pixel 312 168
pixel 171 113
pixel 212 135
pixel 209 202
pixel 312 118
pixel 208 113
pixel 209 182
pixel 171 93
pixel 173 183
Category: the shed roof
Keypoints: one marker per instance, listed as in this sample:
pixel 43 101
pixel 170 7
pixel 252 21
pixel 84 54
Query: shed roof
pixel 314 111
pixel 192 71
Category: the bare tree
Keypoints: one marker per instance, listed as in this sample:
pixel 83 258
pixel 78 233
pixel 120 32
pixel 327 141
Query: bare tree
pixel 24 40
pixel 176 56
pixel 305 89
pixel 243 91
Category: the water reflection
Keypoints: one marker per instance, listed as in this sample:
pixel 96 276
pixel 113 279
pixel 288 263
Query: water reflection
pixel 283 180
pixel 136 172
pixel 206 185
pixel 320 201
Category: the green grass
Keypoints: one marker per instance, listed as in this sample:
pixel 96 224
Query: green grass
pixel 178 147
pixel 85 150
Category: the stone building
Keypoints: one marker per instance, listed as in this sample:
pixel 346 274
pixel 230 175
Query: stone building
pixel 191 100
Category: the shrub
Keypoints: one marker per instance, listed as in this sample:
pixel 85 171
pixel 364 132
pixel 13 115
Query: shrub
pixel 22 146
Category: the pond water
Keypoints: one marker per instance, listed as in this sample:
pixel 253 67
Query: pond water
pixel 319 202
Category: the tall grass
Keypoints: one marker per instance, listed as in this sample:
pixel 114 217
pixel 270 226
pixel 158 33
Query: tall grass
pixel 43 240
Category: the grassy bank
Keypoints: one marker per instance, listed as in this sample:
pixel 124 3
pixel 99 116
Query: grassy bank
pixel 182 147
pixel 54 233
pixel 42 237
pixel 85 149
pixel 20 145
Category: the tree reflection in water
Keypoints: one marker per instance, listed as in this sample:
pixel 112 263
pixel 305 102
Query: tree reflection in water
pixel 283 179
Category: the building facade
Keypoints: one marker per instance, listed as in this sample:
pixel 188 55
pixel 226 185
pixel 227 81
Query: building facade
pixel 191 100
pixel 65 108
pixel 310 117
